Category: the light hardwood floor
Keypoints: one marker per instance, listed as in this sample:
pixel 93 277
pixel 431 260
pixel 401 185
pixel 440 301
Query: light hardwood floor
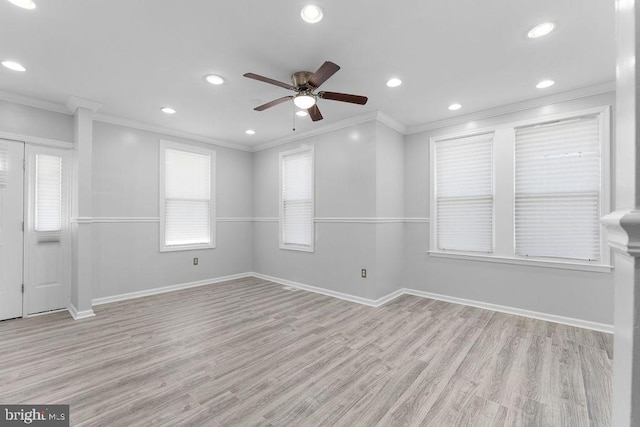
pixel 249 352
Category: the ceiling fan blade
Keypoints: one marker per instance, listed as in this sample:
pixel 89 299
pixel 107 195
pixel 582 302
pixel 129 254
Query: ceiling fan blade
pixel 314 113
pixel 273 103
pixel 325 71
pixel 344 97
pixel 268 80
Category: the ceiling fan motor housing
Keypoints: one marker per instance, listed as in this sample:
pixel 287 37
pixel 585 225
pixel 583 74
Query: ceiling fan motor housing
pixel 300 79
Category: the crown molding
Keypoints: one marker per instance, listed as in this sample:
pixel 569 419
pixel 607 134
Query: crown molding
pixel 33 102
pixel 74 102
pixel 167 131
pixel 392 123
pixel 516 107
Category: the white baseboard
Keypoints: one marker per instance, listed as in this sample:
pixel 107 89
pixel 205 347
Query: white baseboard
pixel 170 288
pixel 78 315
pixel 579 323
pixel 330 293
pixel 585 324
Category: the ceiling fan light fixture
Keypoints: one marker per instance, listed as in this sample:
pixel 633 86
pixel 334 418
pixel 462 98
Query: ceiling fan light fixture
pixel 25 4
pixel 312 13
pixel 304 101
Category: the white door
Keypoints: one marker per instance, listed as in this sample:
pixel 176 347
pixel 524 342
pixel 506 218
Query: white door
pixel 11 224
pixel 47 239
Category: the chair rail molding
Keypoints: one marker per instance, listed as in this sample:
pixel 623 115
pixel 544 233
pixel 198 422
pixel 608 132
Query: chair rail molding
pixel 623 231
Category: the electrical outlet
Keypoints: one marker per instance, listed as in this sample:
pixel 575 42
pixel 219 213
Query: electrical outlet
pixel 195 261
pixel 363 273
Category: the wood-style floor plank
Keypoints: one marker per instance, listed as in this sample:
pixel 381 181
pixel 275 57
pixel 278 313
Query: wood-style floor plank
pixel 250 353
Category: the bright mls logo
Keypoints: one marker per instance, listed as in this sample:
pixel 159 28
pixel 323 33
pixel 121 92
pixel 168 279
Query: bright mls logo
pixel 36 415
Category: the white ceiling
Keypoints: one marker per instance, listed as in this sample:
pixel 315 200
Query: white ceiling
pixel 135 56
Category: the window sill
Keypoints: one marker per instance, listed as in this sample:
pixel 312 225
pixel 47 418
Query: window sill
pixel 564 265
pixel 297 248
pixel 186 248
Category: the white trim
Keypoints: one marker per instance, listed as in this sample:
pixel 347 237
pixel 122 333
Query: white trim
pixel 82 220
pixel 36 140
pixel 33 102
pixel 514 108
pixel 265 219
pixel 418 220
pixel 534 262
pixel 623 231
pixel 73 103
pixel 356 120
pixel 585 324
pixel 361 220
pixel 44 313
pixel 235 219
pixel 330 293
pixel 79 315
pixel 392 123
pixel 170 288
pixel 124 219
pixel 164 131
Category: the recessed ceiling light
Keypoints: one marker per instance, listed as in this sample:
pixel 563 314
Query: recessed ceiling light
pixel 214 79
pixel 541 30
pixel 25 4
pixel 13 66
pixel 454 107
pixel 250 132
pixel 545 84
pixel 168 110
pixel 312 13
pixel 302 113
pixel 394 82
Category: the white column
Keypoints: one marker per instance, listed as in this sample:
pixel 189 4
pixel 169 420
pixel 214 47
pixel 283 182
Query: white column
pixel 623 225
pixel 81 208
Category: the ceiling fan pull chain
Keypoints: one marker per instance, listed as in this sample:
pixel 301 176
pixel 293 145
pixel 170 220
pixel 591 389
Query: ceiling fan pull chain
pixel 293 110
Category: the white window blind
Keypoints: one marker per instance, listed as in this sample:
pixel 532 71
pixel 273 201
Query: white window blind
pixel 48 197
pixel 4 165
pixel 187 198
pixel 464 194
pixel 557 189
pixel 296 223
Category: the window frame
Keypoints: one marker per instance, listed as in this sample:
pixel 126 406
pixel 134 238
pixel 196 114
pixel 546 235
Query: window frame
pixel 164 145
pixel 281 243
pixel 504 194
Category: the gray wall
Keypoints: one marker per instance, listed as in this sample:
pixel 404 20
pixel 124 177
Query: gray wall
pixel 125 183
pixel 576 294
pixel 28 121
pixel 359 179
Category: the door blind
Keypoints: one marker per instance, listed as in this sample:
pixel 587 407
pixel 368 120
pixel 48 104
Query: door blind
pixel 4 165
pixel 297 199
pixel 48 197
pixel 187 201
pixel 557 190
pixel 464 194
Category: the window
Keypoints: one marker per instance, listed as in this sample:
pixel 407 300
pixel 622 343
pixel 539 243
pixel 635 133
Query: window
pixel 296 199
pixel 187 206
pixel 48 193
pixel 557 190
pixel 530 192
pixel 464 194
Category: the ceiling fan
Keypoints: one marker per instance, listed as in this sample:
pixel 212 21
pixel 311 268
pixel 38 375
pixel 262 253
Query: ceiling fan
pixel 305 83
